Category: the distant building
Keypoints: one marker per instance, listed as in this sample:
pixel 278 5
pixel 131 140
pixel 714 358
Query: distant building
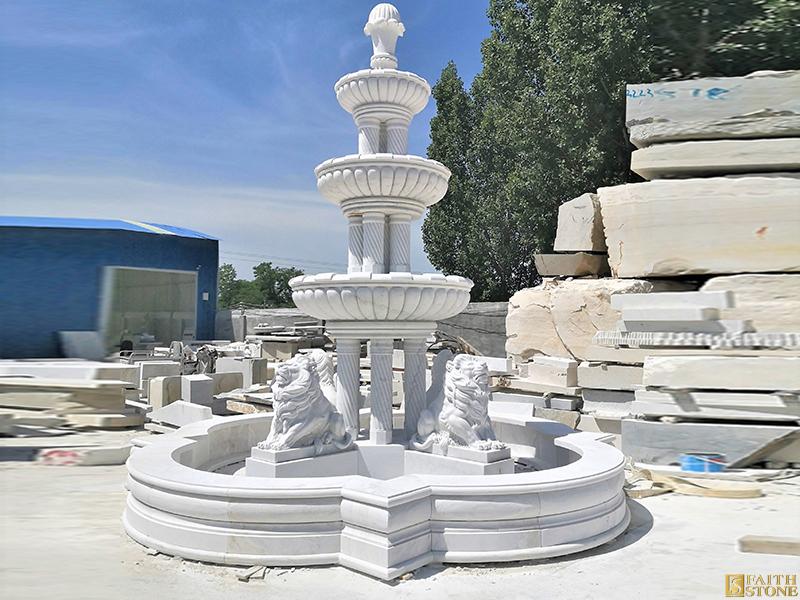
pixel 132 282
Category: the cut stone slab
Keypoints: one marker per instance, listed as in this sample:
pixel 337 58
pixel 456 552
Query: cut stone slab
pixel 580 226
pixel 120 420
pixel 579 264
pixel 197 389
pixel 672 300
pixel 71 369
pixel 717 157
pixel 770 302
pixel 723 372
pixel 569 418
pixel 608 376
pixel 253 370
pixel 663 443
pixel 764 104
pixel 607 403
pixel 156 368
pixel 717 405
pixel 180 413
pixel 715 326
pixel 163 391
pixel 551 370
pixel 743 224
pixel 227 382
pixel 530 385
pixel 669 314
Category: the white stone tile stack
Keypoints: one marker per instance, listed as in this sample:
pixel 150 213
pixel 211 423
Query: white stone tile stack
pixel 720 210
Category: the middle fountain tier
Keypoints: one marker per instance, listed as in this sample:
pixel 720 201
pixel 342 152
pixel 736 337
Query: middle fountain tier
pixel 381 190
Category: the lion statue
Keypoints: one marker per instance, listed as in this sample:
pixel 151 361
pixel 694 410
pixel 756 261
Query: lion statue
pixel 460 414
pixel 302 415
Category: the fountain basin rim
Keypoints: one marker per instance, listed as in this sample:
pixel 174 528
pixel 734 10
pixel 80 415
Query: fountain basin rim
pixel 414 99
pixel 157 465
pixel 400 279
pixel 382 159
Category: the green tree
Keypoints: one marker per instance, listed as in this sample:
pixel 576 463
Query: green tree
pixel 273 283
pixel 723 38
pixel 269 288
pixel 544 125
pixel 226 282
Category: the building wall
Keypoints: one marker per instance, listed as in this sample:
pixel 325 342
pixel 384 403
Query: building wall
pixel 51 280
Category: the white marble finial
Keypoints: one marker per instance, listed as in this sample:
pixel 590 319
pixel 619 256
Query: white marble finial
pixel 384 26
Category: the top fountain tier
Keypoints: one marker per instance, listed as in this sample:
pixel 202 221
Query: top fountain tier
pixel 382 99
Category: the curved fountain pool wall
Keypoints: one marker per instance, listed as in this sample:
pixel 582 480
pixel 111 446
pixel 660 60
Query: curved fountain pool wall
pixel 382 527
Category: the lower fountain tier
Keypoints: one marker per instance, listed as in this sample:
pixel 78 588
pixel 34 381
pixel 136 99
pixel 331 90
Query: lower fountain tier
pixel 386 183
pixel 392 297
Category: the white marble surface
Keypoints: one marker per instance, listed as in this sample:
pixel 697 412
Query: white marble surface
pixel 178 507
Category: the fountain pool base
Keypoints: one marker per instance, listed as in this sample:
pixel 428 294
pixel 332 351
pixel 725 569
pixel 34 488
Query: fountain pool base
pixel 189 497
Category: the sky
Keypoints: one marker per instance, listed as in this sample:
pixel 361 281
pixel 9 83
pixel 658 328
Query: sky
pixel 204 114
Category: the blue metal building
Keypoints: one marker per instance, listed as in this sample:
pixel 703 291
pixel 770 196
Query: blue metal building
pixel 140 282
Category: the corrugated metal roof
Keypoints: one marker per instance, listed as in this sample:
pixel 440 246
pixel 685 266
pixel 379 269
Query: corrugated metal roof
pixel 117 224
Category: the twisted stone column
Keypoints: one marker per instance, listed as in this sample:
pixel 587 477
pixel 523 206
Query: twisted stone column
pixel 355 244
pixel 374 225
pixel 348 397
pixel 399 243
pixel 397 136
pixel 368 135
pixel 414 382
pixel 380 397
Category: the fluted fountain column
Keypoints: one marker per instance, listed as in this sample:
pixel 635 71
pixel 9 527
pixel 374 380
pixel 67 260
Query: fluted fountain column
pixel 414 382
pixel 355 244
pixel 348 396
pixel 374 230
pixel 380 395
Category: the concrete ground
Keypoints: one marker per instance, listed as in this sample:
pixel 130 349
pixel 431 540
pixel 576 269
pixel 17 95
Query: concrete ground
pixel 61 537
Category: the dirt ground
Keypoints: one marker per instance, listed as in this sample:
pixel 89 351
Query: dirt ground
pixel 61 537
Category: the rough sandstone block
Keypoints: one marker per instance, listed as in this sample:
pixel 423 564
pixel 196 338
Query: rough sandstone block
pixel 580 226
pixel 717 157
pixel 560 318
pixel 764 104
pixel 579 264
pixel 770 302
pixel 703 226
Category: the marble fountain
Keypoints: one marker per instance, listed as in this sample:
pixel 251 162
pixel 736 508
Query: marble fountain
pixel 465 480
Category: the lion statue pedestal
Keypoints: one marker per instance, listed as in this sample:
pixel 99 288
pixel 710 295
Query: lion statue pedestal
pixel 456 422
pixel 305 425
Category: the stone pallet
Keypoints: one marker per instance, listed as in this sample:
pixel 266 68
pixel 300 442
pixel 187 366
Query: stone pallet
pixel 646 339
